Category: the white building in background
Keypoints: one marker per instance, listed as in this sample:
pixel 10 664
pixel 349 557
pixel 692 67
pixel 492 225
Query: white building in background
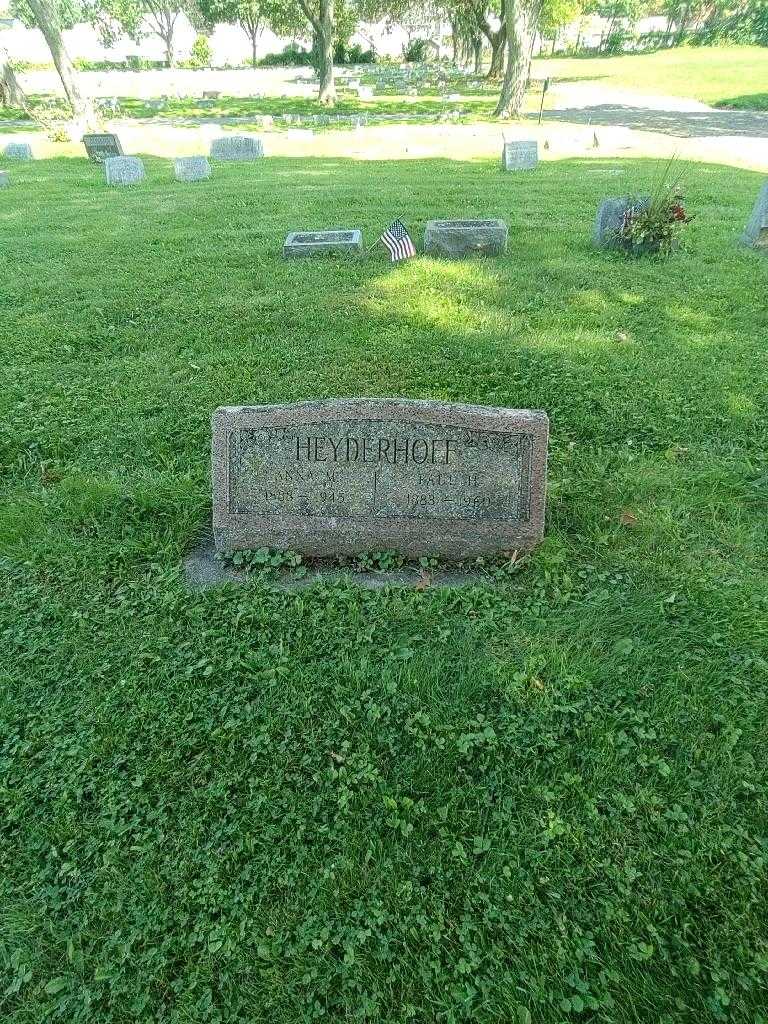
pixel 230 45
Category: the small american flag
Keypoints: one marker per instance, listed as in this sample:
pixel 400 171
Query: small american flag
pixel 398 242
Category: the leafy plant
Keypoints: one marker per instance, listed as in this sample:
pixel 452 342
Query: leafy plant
pixel 201 53
pixel 656 224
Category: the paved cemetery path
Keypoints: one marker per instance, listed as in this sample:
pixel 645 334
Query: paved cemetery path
pixel 592 103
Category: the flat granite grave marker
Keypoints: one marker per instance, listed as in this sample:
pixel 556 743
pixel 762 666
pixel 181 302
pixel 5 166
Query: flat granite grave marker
pixel 346 476
pixel 124 170
pixel 465 237
pixel 191 168
pixel 520 155
pixel 18 151
pixel 756 231
pixel 100 146
pixel 5 179
pixel 311 243
pixel 237 147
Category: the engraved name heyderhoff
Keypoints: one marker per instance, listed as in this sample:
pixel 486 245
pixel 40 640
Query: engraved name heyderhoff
pixel 394 450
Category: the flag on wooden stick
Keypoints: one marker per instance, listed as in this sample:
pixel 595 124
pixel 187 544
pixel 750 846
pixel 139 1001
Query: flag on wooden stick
pixel 398 242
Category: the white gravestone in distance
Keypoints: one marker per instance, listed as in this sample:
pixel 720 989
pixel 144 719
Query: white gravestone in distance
pixel 18 151
pixel 456 238
pixel 520 155
pixel 311 243
pixel 191 168
pixel 124 170
pixel 237 147
pixel 756 231
pixel 5 179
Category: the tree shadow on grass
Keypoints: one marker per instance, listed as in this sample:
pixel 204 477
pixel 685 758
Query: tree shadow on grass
pixel 682 123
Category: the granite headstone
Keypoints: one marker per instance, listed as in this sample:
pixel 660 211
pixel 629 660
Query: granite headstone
pixel 102 145
pixel 191 168
pixel 756 231
pixel 311 243
pixel 455 238
pixel 520 155
pixel 18 151
pixel 351 475
pixel 237 147
pixel 610 216
pixel 124 170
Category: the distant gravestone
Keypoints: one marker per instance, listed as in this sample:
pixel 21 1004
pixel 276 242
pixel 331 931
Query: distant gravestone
pixel 124 170
pixel 609 219
pixel 18 151
pixel 211 94
pixel 756 231
pixel 351 475
pixel 520 155
pixel 5 179
pixel 191 168
pixel 237 147
pixel 456 238
pixel 100 146
pixel 312 243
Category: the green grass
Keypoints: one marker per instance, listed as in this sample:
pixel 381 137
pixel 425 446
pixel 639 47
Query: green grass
pixel 543 800
pixel 720 75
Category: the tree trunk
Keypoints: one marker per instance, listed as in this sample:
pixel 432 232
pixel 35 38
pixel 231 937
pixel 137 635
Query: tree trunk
pixel 477 46
pixel 47 21
pixel 498 41
pixel 254 58
pixel 522 19
pixel 11 93
pixel 324 29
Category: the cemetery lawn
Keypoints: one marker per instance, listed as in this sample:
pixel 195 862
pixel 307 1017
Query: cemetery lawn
pixel 543 799
pixel 728 76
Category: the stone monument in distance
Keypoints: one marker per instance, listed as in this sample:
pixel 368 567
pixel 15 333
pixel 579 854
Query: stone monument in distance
pixel 345 476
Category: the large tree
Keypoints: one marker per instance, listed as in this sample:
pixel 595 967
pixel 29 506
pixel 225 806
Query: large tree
pixel 321 15
pixel 51 17
pixel 11 93
pixel 522 21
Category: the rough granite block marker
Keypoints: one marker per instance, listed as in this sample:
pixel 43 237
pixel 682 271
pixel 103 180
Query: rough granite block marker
pixel 237 147
pixel 100 146
pixel 465 237
pixel 5 179
pixel 756 231
pixel 350 475
pixel 609 219
pixel 191 168
pixel 18 151
pixel 520 155
pixel 124 170
pixel 311 243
